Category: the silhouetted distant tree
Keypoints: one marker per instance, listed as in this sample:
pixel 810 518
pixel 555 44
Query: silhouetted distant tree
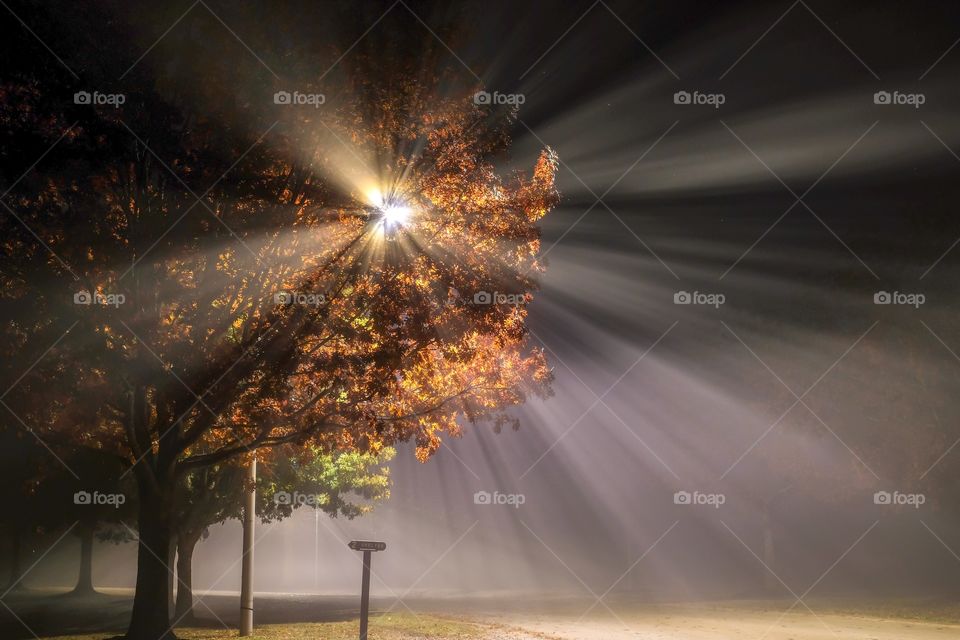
pixel 346 484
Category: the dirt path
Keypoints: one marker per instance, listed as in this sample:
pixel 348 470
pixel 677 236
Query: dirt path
pixel 688 623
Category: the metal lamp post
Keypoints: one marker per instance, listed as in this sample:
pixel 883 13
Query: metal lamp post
pixel 246 574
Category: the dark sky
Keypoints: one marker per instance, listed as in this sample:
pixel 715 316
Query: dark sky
pixel 799 108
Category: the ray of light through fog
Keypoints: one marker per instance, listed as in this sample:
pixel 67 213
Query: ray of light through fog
pixel 785 210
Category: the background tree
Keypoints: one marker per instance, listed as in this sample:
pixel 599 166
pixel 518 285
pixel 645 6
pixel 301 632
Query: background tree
pixel 23 458
pixel 47 497
pixel 800 460
pixel 98 503
pixel 346 484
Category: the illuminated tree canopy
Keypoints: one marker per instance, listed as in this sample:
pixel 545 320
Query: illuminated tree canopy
pixel 229 288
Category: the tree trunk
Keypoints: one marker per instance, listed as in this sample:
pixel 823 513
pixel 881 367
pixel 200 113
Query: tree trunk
pixel 16 561
pixel 150 619
pixel 85 578
pixel 171 576
pixel 186 544
pixel 770 582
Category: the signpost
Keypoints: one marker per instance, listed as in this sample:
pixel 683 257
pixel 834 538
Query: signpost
pixel 368 547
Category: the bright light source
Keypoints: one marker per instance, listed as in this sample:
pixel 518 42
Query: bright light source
pixel 392 213
pixel 395 215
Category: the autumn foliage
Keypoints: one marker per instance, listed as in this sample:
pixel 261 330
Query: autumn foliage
pixel 245 289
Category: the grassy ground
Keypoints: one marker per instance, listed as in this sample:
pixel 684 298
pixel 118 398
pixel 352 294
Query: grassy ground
pixel 387 627
pixel 833 619
pixel 924 610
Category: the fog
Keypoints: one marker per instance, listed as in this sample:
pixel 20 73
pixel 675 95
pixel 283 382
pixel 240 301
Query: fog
pixel 732 448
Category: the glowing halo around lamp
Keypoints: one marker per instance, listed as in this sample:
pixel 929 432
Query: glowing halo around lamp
pixel 395 215
pixel 391 212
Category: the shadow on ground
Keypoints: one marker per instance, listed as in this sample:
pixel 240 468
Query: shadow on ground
pixel 31 614
pixel 41 613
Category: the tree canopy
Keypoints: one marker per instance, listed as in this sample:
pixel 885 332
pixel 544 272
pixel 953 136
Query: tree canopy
pixel 196 278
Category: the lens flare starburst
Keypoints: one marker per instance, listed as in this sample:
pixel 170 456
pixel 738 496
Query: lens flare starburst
pixel 395 215
pixel 392 212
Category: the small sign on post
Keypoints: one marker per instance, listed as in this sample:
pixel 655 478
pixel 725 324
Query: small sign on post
pixel 368 547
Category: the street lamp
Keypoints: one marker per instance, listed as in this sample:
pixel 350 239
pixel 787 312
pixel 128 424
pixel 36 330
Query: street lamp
pixel 390 213
pixel 394 215
pixel 246 570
